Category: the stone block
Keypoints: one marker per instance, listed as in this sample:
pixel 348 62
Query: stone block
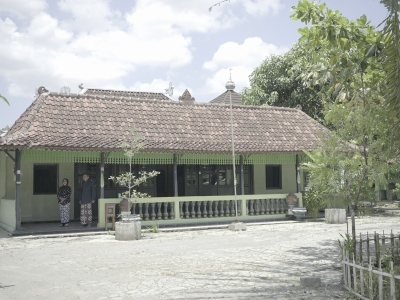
pixel 237 226
pixel 335 216
pixel 128 231
pixel 310 281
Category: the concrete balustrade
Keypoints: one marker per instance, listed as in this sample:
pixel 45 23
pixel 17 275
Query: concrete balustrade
pixel 203 209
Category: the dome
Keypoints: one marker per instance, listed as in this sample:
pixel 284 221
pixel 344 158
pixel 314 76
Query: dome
pixel 230 85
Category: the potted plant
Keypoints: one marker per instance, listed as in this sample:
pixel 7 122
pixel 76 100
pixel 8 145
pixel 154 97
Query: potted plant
pixel 130 228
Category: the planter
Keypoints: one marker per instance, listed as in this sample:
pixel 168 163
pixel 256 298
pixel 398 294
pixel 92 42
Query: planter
pixel 291 199
pixel 335 216
pixel 299 212
pixel 128 231
pixel 125 204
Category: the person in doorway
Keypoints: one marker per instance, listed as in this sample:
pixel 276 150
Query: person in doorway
pixel 64 202
pixel 88 196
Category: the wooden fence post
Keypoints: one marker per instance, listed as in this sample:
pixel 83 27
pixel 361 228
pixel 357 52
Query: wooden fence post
pixel 371 287
pixel 368 254
pixel 360 259
pixel 380 281
pixel 392 289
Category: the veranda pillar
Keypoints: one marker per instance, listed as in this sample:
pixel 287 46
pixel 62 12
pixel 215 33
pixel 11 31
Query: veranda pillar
pixel 18 154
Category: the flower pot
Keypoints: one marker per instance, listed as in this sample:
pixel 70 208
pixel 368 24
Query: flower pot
pixel 125 204
pixel 291 199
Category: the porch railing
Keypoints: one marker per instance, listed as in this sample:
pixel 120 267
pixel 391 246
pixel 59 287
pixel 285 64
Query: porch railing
pixel 203 209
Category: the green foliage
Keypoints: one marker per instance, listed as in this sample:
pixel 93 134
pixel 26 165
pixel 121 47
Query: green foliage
pixel 154 228
pixel 276 83
pixel 346 245
pixel 346 56
pixel 391 32
pixel 314 202
pixel 4 98
pixel 132 145
pixel 340 51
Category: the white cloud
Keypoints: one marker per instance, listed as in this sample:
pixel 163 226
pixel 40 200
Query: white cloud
pixel 22 8
pixel 94 44
pixel 180 17
pixel 88 15
pixel 159 86
pixel 242 58
pixel 262 7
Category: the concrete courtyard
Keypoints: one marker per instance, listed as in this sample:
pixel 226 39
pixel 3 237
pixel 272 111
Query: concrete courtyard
pixel 264 262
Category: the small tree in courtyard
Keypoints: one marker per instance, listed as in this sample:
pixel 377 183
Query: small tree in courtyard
pixel 132 145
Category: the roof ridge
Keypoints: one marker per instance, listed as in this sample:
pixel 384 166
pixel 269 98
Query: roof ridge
pixel 124 91
pixel 170 101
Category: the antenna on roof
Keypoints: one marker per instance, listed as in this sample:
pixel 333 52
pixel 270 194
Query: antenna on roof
pixel 80 86
pixel 170 89
pixel 65 90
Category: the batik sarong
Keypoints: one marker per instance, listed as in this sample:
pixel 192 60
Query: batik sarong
pixel 86 213
pixel 64 213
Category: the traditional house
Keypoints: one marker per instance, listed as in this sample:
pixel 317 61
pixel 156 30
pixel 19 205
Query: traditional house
pixel 189 143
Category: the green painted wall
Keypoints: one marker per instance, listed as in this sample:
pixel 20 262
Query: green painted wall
pixel 2 175
pixel 288 180
pixel 10 183
pixel 41 207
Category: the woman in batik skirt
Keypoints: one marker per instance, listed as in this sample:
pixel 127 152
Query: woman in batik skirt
pixel 64 202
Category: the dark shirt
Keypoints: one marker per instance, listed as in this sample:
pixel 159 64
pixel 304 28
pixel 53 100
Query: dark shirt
pixel 88 192
pixel 64 192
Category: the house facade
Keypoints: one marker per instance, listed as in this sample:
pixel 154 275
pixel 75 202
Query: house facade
pixel 189 143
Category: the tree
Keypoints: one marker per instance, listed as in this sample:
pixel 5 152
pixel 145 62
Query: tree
pixel 132 145
pixel 4 98
pixel 356 154
pixel 391 32
pixel 276 83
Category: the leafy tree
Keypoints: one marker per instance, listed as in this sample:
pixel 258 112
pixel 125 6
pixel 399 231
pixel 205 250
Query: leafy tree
pixel 391 32
pixel 275 83
pixel 347 57
pixel 132 145
pixel 4 98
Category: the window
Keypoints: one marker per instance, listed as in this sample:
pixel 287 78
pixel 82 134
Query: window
pixel 273 175
pixel 45 179
pixel 191 176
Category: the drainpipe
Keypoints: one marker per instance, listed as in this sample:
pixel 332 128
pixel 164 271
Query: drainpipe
pixel 18 189
pixel 175 176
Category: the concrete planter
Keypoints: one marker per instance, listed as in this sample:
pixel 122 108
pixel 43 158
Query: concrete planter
pixel 128 231
pixel 335 216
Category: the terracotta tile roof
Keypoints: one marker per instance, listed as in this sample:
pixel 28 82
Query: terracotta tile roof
pixel 224 98
pixel 99 123
pixel 136 95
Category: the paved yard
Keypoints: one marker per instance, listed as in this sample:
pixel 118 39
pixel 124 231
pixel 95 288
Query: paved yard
pixel 265 262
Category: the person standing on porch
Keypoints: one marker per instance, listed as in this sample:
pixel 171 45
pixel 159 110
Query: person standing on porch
pixel 88 195
pixel 64 202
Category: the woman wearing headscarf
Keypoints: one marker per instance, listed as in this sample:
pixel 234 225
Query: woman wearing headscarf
pixel 64 202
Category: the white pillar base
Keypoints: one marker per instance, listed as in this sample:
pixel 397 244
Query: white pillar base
pixel 128 231
pixel 237 226
pixel 335 216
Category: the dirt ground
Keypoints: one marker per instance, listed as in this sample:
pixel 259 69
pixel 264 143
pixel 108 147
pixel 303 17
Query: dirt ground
pixel 264 262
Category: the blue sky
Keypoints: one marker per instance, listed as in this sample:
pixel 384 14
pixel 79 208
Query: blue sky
pixel 142 45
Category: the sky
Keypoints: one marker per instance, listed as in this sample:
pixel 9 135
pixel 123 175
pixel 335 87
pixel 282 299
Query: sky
pixel 143 45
